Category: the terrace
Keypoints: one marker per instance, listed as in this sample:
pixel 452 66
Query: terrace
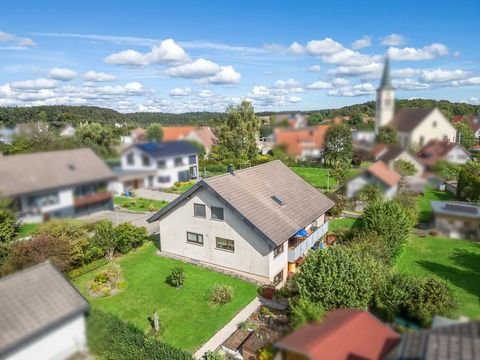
pixel 304 240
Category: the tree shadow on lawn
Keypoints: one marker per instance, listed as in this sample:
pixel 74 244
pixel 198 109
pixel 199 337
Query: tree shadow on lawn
pixel 466 273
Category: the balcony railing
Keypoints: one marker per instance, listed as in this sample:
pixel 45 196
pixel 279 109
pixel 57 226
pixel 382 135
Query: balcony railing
pixel 92 198
pixel 298 251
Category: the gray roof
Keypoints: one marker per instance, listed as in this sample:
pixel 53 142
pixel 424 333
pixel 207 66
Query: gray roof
pixel 249 192
pixel 405 120
pixel 456 208
pixel 391 153
pixel 386 82
pixel 33 301
pixel 452 342
pixel 29 173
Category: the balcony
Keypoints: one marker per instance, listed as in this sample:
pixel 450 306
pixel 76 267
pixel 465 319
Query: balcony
pixel 92 198
pixel 298 247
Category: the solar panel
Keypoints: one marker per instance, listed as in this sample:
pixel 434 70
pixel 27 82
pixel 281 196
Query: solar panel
pixel 460 209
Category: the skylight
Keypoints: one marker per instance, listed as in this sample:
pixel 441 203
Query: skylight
pixel 278 200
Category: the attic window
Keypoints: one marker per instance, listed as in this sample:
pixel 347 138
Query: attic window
pixel 278 200
pixel 71 167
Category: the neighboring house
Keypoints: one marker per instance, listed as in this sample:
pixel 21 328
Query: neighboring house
pixel 473 121
pixel 343 334
pixel 201 134
pixel 391 153
pixel 257 222
pixel 7 135
pixel 458 220
pixel 377 173
pixel 138 135
pixel 415 127
pixel 42 316
pixel 303 143
pixel 63 183
pixel 67 131
pixel 298 121
pixel 452 342
pixel 156 165
pixel 436 150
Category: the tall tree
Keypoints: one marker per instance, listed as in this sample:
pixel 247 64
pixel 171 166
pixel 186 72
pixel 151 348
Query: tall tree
pixel 98 137
pixel 154 133
pixel 387 135
pixel 465 134
pixel 338 146
pixel 237 140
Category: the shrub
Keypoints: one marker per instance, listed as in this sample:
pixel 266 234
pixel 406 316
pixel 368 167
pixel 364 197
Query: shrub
pixel 370 192
pixel 334 278
pixel 266 353
pixel 210 355
pixel 107 282
pixel 176 277
pixel 110 338
pixel 221 294
pixel 129 236
pixel 8 222
pixel 409 203
pixel 303 310
pixel 389 220
pixel 105 238
pixel 87 268
pixel 340 203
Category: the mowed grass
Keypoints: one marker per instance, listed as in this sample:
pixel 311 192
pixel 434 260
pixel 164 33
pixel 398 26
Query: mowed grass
pixel 187 318
pixel 426 213
pixel 27 229
pixel 456 261
pixel 319 177
pixel 344 224
pixel 181 187
pixel 139 204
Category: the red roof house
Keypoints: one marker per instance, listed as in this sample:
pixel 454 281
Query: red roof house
pixel 302 142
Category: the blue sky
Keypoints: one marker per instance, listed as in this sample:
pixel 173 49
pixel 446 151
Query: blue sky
pixel 179 56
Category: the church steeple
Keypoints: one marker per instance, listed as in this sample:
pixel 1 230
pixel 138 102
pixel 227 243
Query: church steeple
pixel 386 82
pixel 385 99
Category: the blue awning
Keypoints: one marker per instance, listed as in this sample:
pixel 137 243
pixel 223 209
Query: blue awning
pixel 301 232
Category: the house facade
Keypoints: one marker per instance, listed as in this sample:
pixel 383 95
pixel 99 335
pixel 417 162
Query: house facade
pixel 156 165
pixel 436 150
pixel 257 222
pixel 43 316
pixel 376 174
pixel 201 134
pixel 56 183
pixel 302 143
pixel 415 127
pixel 391 153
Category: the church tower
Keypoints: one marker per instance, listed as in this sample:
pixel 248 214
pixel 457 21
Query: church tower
pixel 385 105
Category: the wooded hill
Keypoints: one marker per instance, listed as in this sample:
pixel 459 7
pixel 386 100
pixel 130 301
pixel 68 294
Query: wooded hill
pixel 59 115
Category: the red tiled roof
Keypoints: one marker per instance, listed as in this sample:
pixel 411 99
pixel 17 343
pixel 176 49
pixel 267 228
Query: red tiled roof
pixel 434 151
pixel 384 173
pixel 378 150
pixel 204 133
pixel 342 334
pixel 297 140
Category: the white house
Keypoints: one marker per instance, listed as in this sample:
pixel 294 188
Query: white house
pixel 377 173
pixel 257 222
pixel 41 316
pixel 435 151
pixel 63 183
pixel 391 153
pixel 415 127
pixel 156 165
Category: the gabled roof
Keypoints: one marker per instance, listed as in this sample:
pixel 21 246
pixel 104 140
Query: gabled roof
pixel 391 153
pixel 342 334
pixel 405 120
pixel 459 341
pixel 167 148
pixel 35 300
pixel 384 173
pixel 29 173
pixel 436 150
pixel 204 133
pixel 250 193
pixel 297 140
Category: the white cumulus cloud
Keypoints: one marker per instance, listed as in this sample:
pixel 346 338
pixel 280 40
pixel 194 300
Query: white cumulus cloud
pixel 364 42
pixel 36 84
pixel 326 46
pixel 319 85
pixel 394 40
pixel 315 68
pixel 439 75
pixel 227 75
pixel 180 91
pixel 98 76
pixel 62 74
pixel 412 54
pixel 200 68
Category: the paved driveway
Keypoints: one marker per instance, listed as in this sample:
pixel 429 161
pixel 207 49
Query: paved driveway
pixel 155 195
pixel 118 217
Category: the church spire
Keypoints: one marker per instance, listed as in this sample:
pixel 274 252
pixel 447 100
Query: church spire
pixel 386 83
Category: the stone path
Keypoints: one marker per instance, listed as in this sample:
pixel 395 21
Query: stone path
pixel 224 333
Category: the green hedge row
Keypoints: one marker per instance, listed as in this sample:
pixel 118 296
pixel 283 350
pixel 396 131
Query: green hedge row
pixel 110 338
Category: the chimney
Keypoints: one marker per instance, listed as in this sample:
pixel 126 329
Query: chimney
pixel 230 169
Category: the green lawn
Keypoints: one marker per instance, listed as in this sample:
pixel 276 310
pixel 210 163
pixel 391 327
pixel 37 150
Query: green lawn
pixel 319 178
pixel 181 187
pixel 425 207
pixel 27 229
pixel 187 318
pixel 344 224
pixel 139 204
pixel 456 261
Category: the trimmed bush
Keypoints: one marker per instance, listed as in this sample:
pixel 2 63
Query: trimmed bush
pixel 176 277
pixel 110 338
pixel 221 294
pixel 130 237
pixel 303 311
pixel 106 282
